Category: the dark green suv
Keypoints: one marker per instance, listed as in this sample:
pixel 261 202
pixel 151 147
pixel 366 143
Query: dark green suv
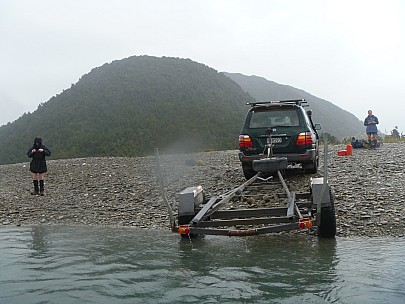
pixel 293 135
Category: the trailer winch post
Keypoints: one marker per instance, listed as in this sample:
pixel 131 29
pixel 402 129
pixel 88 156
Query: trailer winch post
pixel 162 189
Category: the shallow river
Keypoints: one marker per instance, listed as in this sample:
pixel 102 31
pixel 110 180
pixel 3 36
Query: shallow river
pixel 70 264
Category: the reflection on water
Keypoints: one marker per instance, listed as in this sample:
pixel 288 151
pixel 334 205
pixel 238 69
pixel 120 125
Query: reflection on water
pixel 65 264
pixel 39 242
pixel 269 267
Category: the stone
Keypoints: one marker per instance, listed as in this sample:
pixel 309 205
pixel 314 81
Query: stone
pixel 125 191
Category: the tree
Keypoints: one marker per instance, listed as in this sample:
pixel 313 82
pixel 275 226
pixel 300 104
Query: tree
pixel 331 138
pixel 395 133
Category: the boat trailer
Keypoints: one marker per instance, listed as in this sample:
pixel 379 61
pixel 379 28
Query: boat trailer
pixel 199 214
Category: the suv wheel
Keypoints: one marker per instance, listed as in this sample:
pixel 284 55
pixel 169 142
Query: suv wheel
pixel 248 170
pixel 312 167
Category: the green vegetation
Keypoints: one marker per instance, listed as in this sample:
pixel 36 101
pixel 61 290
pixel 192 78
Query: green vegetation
pixel 331 139
pixel 131 106
pixel 335 121
pixel 390 139
pixel 395 136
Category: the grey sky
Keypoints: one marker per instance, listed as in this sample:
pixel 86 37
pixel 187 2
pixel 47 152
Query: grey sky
pixel 348 52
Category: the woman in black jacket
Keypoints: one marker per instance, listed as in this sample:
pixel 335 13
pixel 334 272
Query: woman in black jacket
pixel 38 165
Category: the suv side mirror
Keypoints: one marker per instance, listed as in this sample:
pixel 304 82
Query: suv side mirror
pixel 318 126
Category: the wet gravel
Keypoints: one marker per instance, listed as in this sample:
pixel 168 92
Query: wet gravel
pixel 369 189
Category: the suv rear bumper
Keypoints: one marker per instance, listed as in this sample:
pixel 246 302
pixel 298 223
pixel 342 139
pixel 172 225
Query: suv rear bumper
pixel 308 156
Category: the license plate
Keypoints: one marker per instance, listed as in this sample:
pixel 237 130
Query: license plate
pixel 276 140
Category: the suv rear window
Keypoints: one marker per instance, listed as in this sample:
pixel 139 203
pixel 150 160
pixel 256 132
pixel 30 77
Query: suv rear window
pixel 274 118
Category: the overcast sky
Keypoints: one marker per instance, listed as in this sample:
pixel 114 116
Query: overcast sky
pixel 351 53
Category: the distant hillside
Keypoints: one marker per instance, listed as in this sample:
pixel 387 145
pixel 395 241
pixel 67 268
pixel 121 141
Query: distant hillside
pixel 333 119
pixel 131 106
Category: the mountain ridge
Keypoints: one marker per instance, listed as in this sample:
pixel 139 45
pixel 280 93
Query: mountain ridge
pixel 130 106
pixel 334 120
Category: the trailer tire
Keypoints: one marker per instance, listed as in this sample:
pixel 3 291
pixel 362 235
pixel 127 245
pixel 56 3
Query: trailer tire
pixel 248 171
pixel 184 219
pixel 327 228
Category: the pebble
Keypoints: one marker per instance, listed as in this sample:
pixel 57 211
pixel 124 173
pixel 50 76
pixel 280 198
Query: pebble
pixel 368 188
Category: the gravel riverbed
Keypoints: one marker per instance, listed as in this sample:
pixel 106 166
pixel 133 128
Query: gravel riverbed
pixel 369 189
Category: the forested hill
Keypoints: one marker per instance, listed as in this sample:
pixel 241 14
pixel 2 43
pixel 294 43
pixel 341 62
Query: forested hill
pixel 131 106
pixel 333 119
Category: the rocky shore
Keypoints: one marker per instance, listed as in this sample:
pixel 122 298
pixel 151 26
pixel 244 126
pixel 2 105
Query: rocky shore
pixel 369 189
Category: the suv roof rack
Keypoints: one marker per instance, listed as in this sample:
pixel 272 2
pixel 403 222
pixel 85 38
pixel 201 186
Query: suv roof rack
pixel 297 102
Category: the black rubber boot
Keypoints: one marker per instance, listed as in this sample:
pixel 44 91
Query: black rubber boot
pixel 41 187
pixel 36 189
pixel 374 144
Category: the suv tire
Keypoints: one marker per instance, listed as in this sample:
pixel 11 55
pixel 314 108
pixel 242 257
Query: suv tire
pixel 312 167
pixel 248 171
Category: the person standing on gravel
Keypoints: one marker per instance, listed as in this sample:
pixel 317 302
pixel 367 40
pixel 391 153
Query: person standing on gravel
pixel 38 165
pixel 371 122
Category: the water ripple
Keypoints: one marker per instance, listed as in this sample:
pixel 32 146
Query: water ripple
pixel 63 264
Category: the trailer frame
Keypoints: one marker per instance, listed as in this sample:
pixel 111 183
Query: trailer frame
pixel 199 214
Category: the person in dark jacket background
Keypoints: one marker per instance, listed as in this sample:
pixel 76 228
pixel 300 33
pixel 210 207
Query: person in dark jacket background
pixel 371 123
pixel 38 165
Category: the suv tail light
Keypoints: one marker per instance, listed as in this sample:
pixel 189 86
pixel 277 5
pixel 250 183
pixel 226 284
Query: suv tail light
pixel 304 138
pixel 245 141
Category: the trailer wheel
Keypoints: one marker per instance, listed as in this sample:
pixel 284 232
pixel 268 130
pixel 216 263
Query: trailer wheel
pixel 327 228
pixel 248 171
pixel 184 219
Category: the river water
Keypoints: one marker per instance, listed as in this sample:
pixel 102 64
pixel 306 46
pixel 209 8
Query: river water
pixel 87 264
